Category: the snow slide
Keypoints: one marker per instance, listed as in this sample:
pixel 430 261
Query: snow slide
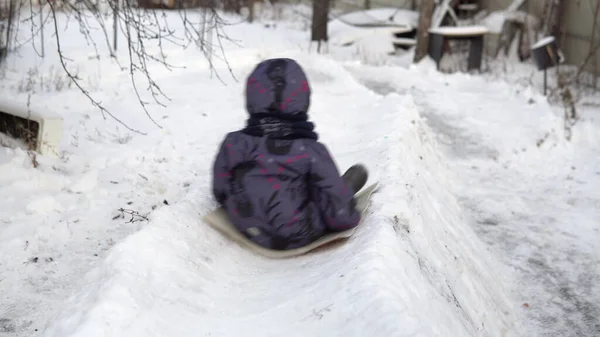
pixel 414 268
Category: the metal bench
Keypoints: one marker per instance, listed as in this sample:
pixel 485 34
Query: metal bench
pixel 474 34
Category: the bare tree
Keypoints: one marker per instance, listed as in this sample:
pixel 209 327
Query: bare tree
pixel 425 15
pixel 141 27
pixel 320 19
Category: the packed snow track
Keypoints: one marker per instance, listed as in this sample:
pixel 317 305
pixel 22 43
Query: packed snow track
pixel 414 268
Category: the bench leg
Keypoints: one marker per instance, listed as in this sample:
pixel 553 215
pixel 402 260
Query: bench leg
pixel 475 53
pixel 436 48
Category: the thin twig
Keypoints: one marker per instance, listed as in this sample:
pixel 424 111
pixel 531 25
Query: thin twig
pixel 76 80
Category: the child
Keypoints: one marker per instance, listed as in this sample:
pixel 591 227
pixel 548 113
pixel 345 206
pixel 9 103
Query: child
pixel 278 184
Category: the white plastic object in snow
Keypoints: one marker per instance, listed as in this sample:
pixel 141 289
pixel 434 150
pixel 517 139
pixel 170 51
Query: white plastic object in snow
pixel 45 129
pixel 219 220
pixel 404 41
pixel 542 42
pixel 460 31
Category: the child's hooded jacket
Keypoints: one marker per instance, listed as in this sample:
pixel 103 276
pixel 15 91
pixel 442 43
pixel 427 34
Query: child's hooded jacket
pixel 279 185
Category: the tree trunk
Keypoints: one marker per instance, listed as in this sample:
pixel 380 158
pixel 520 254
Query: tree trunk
pixel 320 20
pixel 207 4
pixel 232 6
pixel 558 27
pixel 251 10
pixel 425 15
pixel 229 6
pixel 553 13
pixel 367 4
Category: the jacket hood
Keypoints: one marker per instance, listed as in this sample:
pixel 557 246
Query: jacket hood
pixel 278 86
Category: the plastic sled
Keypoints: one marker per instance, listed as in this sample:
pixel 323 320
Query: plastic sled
pixel 219 220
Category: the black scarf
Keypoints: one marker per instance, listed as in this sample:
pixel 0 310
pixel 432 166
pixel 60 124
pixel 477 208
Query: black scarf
pixel 280 126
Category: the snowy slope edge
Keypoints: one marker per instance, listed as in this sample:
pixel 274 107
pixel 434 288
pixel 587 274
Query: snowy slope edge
pixel 443 248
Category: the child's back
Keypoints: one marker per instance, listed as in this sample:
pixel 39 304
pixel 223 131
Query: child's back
pixel 278 184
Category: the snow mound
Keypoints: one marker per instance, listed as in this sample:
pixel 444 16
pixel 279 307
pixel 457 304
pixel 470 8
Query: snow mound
pixel 413 268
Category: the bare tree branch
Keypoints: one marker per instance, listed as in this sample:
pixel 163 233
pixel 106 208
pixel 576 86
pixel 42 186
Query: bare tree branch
pixel 75 79
pixel 139 27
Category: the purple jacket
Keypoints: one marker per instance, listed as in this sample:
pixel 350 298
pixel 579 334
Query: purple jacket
pixel 279 185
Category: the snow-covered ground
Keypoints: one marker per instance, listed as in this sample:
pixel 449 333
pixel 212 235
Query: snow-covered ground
pixel 456 156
